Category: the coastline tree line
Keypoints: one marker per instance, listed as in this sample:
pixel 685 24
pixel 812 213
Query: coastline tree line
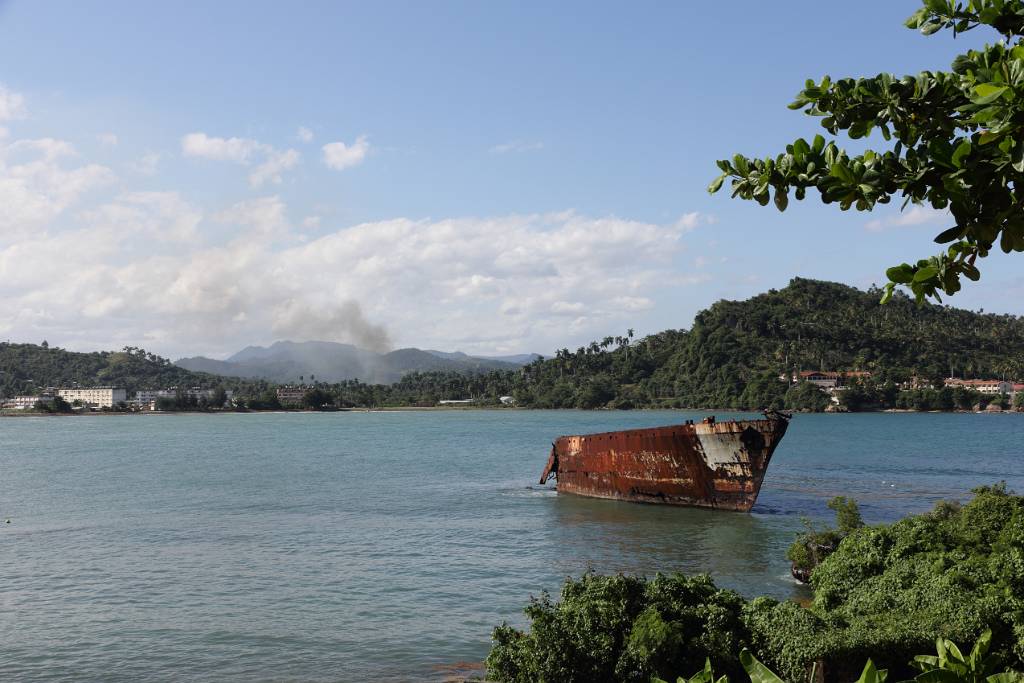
pixel 732 357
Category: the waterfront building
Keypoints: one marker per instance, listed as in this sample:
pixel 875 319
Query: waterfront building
pixel 983 386
pixel 148 397
pixel 98 397
pixel 291 395
pixel 25 402
pixel 828 379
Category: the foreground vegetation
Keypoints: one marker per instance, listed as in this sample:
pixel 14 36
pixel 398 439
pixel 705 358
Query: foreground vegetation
pixel 947 665
pixel 952 140
pixel 886 593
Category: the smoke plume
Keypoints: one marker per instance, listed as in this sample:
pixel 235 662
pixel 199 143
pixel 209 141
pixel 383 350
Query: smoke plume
pixel 344 323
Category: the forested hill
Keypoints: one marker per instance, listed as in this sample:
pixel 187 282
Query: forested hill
pixel 812 325
pixel 731 357
pixel 736 350
pixel 27 368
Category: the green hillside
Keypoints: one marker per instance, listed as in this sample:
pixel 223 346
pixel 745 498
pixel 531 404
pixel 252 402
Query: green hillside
pixel 26 368
pixel 732 357
pixel 736 350
pixel 813 325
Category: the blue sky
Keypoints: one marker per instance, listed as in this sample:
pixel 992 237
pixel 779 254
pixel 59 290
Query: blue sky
pixel 493 178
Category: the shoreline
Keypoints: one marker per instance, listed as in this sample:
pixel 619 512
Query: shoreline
pixel 409 409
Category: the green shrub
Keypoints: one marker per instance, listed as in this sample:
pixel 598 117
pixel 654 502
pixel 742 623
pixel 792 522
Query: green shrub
pixel 811 546
pixel 885 593
pixel 622 628
pixel 948 665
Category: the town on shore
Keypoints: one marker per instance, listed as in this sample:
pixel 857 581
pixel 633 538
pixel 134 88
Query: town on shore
pixel 174 399
pixel 812 346
pixel 955 394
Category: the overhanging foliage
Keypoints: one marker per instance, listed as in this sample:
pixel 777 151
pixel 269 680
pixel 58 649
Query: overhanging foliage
pixel 957 144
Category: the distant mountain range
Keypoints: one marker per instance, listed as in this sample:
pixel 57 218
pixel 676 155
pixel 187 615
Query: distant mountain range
pixel 287 361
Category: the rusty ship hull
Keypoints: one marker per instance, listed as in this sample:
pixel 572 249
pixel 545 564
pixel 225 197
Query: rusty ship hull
pixel 707 464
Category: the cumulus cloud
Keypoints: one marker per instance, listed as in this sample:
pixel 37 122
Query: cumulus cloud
pixel 38 184
pixel 517 146
pixel 917 215
pixel 275 165
pixel 259 218
pixel 272 163
pixel 146 165
pixel 12 104
pixel 91 270
pixel 499 283
pixel 339 156
pixel 304 134
pixel 160 216
pixel 239 150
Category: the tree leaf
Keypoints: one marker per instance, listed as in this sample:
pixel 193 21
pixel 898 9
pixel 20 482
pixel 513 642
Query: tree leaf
pixel 871 675
pixel 981 646
pixel 949 235
pixel 758 672
pixel 901 274
pixel 939 676
pixel 925 274
pixel 1005 677
pixel 988 93
pixel 962 150
pixel 781 199
pixel 1006 241
pixel 887 295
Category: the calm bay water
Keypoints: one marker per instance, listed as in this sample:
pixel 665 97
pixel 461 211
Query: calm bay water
pixel 385 546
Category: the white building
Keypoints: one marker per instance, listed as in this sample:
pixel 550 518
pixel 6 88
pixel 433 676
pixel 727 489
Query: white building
pixel 25 402
pixel 984 386
pixel 291 396
pixel 99 397
pixel 145 397
pixel 150 395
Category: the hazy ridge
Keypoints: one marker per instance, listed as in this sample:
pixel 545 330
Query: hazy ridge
pixel 288 361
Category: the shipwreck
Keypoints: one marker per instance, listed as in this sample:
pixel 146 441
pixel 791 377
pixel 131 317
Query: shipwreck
pixel 708 464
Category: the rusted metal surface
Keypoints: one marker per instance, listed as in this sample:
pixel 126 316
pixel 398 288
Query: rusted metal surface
pixel 708 464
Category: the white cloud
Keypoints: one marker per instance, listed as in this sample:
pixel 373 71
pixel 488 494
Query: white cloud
pixel 917 215
pixel 37 186
pixel 12 104
pixel 48 148
pixel 128 267
pixel 504 282
pixel 161 216
pixel 108 139
pixel 146 165
pixel 633 303
pixel 263 217
pixel 239 150
pixel 272 162
pixel 271 169
pixel 517 146
pixel 339 156
pixel 304 134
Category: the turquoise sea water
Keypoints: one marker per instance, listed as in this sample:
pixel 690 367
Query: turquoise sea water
pixel 385 546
